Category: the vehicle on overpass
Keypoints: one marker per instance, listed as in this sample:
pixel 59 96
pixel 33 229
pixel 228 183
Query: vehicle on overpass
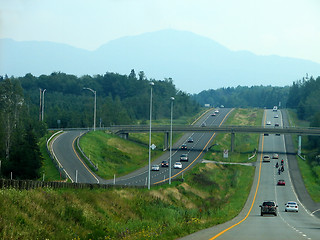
pixel 266 158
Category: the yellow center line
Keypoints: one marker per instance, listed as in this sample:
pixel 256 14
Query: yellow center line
pixel 254 198
pixel 82 161
pixel 198 155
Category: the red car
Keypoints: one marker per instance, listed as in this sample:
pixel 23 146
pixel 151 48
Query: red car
pixel 281 182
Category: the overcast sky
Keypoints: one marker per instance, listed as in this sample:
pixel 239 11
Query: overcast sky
pixel 281 27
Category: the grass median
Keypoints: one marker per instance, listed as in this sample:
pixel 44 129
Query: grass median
pixel 245 144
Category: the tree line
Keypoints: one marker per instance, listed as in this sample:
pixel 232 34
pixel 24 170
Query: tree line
pixel 121 99
pixel 244 97
pixel 304 97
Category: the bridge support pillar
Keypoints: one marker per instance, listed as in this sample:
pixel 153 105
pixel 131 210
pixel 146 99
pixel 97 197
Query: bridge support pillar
pixel 299 145
pixel 232 141
pixel 124 135
pixel 166 141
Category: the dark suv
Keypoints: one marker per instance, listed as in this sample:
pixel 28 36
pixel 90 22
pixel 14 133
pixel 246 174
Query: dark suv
pixel 269 207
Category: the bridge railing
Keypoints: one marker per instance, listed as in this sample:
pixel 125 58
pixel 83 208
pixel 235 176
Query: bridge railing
pixel 118 129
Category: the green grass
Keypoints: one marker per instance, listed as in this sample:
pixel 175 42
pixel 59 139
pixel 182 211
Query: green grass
pixel 48 168
pixel 210 195
pixel 245 144
pixel 310 179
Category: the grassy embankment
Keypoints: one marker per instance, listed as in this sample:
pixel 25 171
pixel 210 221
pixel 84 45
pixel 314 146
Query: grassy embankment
pixel 116 156
pixel 48 169
pixel 211 194
pixel 245 144
pixel 311 180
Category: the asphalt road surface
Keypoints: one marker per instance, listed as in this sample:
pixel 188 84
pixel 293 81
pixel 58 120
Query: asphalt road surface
pixel 249 224
pixel 79 172
pixel 76 169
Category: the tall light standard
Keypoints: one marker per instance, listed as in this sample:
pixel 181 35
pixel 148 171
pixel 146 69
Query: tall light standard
pixel 95 107
pixel 43 104
pixel 149 166
pixel 172 99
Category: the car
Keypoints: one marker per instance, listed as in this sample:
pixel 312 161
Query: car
pixel 268 122
pixel 183 147
pixel 213 114
pixel 266 158
pixel 276 124
pixel 164 164
pixel 155 167
pixel 275 156
pixel 190 140
pixel 203 124
pixel 291 207
pixel 184 157
pixel 277 134
pixel 276 116
pixel 266 134
pixel 281 182
pixel 177 165
pixel 216 111
pixel 269 207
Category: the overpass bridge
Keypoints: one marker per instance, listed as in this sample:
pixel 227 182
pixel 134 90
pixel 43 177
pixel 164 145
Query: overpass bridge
pixel 124 130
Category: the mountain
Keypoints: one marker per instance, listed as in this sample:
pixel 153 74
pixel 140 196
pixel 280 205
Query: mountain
pixel 194 62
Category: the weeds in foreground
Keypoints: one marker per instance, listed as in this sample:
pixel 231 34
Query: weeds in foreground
pixel 210 195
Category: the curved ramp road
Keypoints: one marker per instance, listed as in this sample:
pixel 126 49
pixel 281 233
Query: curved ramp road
pixel 65 153
pixel 249 224
pixel 75 168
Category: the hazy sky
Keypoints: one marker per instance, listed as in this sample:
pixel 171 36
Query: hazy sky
pixel 264 27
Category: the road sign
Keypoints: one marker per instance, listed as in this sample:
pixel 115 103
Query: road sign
pixel 225 153
pixel 153 147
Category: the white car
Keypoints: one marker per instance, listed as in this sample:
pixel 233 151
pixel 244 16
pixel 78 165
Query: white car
pixel 155 168
pixel 276 116
pixel 291 207
pixel 266 158
pixel 177 165
pixel 268 122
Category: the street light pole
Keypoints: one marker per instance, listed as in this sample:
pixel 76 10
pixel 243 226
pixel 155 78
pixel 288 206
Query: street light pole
pixel 172 99
pixel 43 104
pixel 95 107
pixel 149 165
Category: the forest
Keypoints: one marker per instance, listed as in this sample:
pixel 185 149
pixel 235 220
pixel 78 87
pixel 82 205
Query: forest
pixel 244 97
pixel 121 99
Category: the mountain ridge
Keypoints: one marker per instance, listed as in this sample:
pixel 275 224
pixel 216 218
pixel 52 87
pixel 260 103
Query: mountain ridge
pixel 194 62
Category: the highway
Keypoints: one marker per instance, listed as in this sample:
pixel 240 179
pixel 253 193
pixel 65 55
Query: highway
pixel 249 224
pixel 63 149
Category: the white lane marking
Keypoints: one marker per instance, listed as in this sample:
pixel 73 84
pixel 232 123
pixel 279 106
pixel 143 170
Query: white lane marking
pixel 57 158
